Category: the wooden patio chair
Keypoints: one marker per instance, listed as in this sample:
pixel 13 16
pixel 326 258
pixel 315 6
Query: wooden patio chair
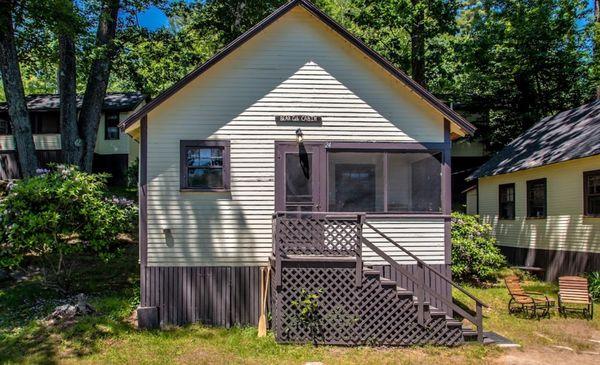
pixel 534 304
pixel 574 291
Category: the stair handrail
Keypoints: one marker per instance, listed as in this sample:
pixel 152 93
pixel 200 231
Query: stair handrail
pixel 477 320
pixel 416 258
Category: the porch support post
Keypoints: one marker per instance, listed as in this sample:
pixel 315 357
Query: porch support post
pixel 359 264
pixel 142 191
pixel 447 206
pixel 447 188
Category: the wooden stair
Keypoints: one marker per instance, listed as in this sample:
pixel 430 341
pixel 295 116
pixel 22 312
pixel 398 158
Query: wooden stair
pixel 469 334
pixel 318 256
pixel 382 312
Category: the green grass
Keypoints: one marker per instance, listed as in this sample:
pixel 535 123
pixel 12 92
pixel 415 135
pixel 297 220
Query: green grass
pixel 109 336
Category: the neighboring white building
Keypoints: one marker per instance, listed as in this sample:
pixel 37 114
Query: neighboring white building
pixel 114 152
pixel 541 194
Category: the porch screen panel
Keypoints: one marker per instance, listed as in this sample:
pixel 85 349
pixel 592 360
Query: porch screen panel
pixel 356 182
pixel 414 182
pixel 384 182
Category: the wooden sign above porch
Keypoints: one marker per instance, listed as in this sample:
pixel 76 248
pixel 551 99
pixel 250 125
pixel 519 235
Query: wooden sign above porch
pixel 298 118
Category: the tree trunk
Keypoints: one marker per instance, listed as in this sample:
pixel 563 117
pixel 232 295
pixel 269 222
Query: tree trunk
pixel 417 38
pixel 97 81
pixel 67 85
pixel 597 39
pixel 15 95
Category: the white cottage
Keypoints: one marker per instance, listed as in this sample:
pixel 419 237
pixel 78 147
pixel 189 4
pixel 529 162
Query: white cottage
pixel 114 152
pixel 541 194
pixel 299 148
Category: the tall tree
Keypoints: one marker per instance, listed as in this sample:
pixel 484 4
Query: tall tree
pixel 409 33
pixel 596 51
pixel 417 42
pixel 67 88
pixel 15 94
pixel 522 60
pixel 67 28
pixel 97 80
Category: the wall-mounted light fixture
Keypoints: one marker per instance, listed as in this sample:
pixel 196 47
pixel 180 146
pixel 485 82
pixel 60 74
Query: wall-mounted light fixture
pixel 299 135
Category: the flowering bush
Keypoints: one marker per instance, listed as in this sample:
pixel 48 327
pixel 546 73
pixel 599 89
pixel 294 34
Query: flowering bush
pixel 475 256
pixel 58 214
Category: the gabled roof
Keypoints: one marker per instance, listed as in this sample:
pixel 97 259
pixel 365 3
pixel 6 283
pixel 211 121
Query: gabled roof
pixel 566 136
pixel 118 101
pixel 450 114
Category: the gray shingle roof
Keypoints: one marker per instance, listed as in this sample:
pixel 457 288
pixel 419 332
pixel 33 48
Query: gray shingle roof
pixel 123 101
pixel 565 136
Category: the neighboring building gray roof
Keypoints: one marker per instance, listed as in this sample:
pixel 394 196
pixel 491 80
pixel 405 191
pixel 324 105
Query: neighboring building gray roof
pixel 565 136
pixel 122 101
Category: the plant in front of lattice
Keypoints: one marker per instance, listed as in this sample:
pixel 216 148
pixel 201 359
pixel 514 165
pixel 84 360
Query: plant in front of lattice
pixel 475 257
pixel 50 219
pixel 306 316
pixel 594 285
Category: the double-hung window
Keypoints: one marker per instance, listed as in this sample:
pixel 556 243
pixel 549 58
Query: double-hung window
pixel 506 200
pixel 205 165
pixel 536 198
pixel 591 193
pixel 111 126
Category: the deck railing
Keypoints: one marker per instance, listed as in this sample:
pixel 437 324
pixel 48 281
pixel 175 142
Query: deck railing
pixel 317 234
pixel 325 234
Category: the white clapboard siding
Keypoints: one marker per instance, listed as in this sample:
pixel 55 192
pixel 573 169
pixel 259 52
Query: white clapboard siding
pixel 41 142
pixel 124 145
pixel 471 201
pixel 295 66
pixel 565 227
pixel 7 143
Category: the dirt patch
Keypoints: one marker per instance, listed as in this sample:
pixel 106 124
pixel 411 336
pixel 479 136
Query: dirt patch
pixel 547 355
pixel 206 356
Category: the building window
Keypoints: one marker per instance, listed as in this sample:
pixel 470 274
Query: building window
pixel 591 193
pixel 205 165
pixel 4 125
pixel 507 201
pixel 111 126
pixel 45 122
pixel 384 182
pixel 536 198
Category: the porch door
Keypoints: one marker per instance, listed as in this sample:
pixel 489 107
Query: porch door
pixel 299 177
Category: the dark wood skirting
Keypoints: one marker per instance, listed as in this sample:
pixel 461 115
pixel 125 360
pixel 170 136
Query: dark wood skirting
pixel 556 263
pixel 226 296
pixel 220 296
pixel 9 162
pixel 9 165
pixel 114 164
pixel 433 281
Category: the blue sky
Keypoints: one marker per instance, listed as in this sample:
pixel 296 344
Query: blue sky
pixel 154 18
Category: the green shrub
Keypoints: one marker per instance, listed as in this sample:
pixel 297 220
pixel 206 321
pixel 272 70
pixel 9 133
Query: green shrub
pixel 475 257
pixel 594 285
pixel 53 217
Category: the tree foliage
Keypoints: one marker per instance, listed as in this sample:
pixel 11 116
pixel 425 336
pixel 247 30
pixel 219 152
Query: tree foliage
pixel 57 215
pixel 475 257
pixel 521 60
